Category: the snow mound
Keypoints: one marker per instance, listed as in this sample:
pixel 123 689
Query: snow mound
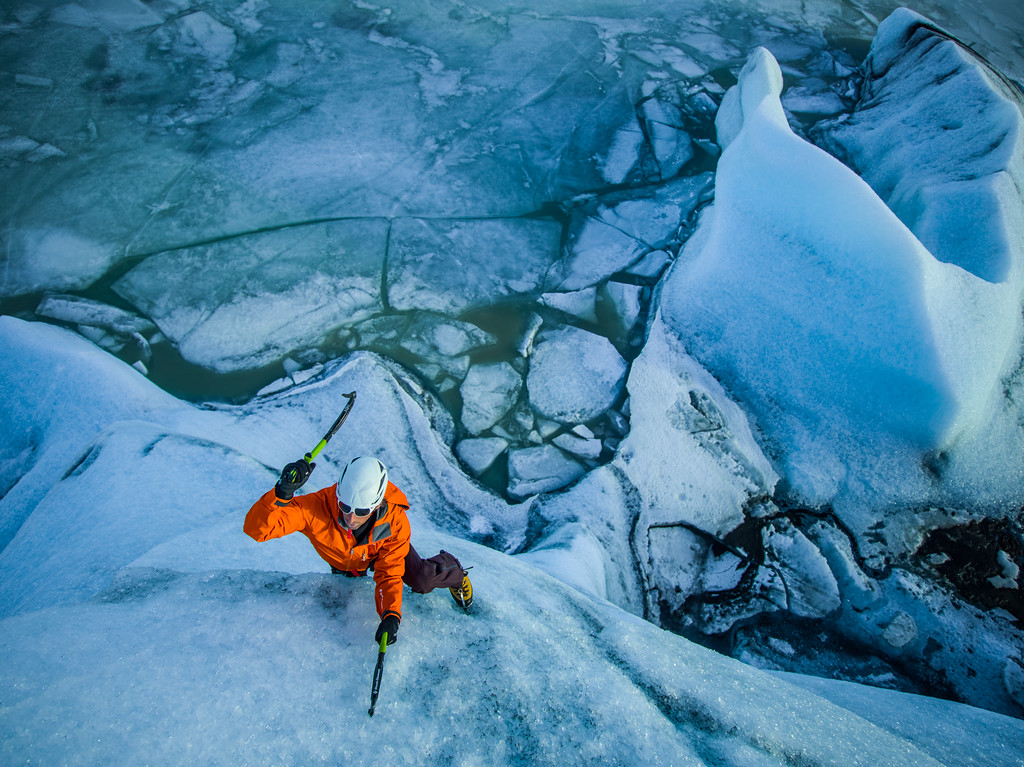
pixel 854 347
pixel 956 187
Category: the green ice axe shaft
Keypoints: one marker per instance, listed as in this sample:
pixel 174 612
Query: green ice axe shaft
pixel 308 457
pixel 378 672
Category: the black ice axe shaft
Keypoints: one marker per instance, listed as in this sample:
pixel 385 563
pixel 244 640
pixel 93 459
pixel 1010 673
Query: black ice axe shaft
pixel 378 672
pixel 308 457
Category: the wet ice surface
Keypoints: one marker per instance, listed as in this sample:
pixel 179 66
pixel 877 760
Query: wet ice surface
pixel 231 196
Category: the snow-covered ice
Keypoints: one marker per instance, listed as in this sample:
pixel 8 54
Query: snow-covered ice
pixel 533 470
pixel 579 303
pixel 956 188
pixel 851 342
pixel 434 335
pixel 480 453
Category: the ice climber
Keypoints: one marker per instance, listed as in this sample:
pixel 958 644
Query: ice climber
pixel 359 524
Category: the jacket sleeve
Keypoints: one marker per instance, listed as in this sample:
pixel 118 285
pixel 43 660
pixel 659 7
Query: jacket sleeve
pixel 389 568
pixel 271 517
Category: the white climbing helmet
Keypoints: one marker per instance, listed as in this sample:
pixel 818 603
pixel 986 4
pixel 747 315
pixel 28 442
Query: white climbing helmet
pixel 361 485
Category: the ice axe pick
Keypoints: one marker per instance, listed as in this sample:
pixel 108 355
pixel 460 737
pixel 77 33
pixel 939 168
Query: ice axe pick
pixel 308 457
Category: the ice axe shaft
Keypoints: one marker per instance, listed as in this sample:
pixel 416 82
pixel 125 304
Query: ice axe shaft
pixel 308 457
pixel 378 672
pixel 330 432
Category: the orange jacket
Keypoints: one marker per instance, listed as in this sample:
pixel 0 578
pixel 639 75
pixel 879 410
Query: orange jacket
pixel 316 516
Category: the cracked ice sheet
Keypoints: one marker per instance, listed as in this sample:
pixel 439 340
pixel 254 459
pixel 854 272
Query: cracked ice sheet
pixel 615 237
pixel 441 113
pixel 429 123
pixel 450 266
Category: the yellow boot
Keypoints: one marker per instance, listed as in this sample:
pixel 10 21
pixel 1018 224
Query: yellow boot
pixel 463 593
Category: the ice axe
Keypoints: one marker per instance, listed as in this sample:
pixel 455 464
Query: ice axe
pixel 378 672
pixel 293 475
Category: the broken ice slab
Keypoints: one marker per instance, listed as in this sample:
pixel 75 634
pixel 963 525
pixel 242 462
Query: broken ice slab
pixel 480 453
pixel 248 301
pixel 655 217
pixel 626 301
pixel 623 153
pixel 199 35
pixel 301 376
pixel 488 393
pixel 85 311
pixel 805 585
pixel 275 386
pixel 541 469
pixel 547 427
pixel 295 374
pixel 612 237
pixel 651 265
pixel 118 331
pixel 574 375
pixel 671 144
pixel 431 335
pixel 670 57
pixel 525 345
pixel 579 303
pixel 451 266
pixel 597 251
pixel 813 97
pixel 580 446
